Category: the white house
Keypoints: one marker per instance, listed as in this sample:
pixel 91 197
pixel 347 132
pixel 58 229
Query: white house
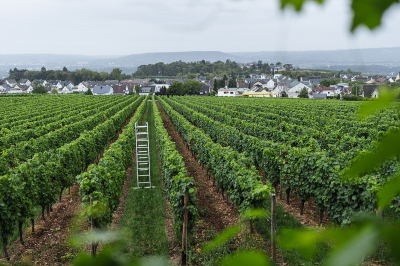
pixel 25 82
pixel 375 93
pixel 146 90
pixel 103 90
pixel 82 87
pixel 61 84
pixel 271 84
pixel 279 90
pixel 398 77
pixel 16 90
pixel 67 89
pixel 11 82
pixel 24 88
pixel 294 91
pixel 4 88
pixel 30 89
pixel 227 92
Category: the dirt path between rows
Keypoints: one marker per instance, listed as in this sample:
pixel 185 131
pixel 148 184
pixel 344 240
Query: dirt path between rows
pixel 214 212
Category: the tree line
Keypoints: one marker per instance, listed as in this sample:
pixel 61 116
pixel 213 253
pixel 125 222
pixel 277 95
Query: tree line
pixel 177 69
pixel 203 68
pixel 189 87
pixel 76 76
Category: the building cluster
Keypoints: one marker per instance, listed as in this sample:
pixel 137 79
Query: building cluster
pixel 254 86
pixel 281 86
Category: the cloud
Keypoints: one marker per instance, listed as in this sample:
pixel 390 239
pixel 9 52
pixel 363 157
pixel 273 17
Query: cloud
pixel 138 26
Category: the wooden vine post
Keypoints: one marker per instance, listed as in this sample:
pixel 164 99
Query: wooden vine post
pixel 280 178
pixel 93 248
pixel 273 227
pixel 184 231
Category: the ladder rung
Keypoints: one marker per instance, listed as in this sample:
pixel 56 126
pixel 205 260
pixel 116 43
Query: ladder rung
pixel 142 155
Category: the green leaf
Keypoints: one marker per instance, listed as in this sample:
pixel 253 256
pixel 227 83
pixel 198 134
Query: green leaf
pixel 297 4
pixel 305 241
pixel 392 235
pixel 388 147
pixel 388 191
pixel 256 213
pixel 246 258
pixel 385 99
pixel 356 248
pixel 222 238
pixel 369 12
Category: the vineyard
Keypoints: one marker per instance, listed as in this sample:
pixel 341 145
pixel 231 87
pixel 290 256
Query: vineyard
pixel 302 146
pixel 246 150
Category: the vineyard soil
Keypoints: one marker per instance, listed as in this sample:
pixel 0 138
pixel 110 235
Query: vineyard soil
pixel 48 245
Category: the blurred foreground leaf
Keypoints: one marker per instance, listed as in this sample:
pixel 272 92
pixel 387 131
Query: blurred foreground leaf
pixel 365 12
pixel 388 191
pixel 297 4
pixel 385 99
pixel 369 12
pixel 222 238
pixel 97 236
pixel 106 258
pixel 246 258
pixel 388 147
pixel 256 213
pixel 304 241
pixel 356 248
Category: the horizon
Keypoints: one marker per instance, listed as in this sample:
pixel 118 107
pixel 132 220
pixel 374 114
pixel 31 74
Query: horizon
pixel 208 51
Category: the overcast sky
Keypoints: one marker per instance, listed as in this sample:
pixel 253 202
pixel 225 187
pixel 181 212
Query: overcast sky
pixel 122 27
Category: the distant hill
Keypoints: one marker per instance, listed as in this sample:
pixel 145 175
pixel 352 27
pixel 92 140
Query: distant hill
pixel 377 60
pixel 33 59
pixel 152 58
pixel 353 56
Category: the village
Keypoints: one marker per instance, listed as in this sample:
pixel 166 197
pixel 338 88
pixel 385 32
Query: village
pixel 276 85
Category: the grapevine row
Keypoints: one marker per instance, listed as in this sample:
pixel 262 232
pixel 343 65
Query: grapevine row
pixel 233 171
pixel 75 115
pixel 25 150
pixel 103 182
pixel 39 181
pixel 175 176
pixel 306 171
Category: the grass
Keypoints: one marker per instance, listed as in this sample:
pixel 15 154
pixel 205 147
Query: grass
pixel 144 217
pixel 292 257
